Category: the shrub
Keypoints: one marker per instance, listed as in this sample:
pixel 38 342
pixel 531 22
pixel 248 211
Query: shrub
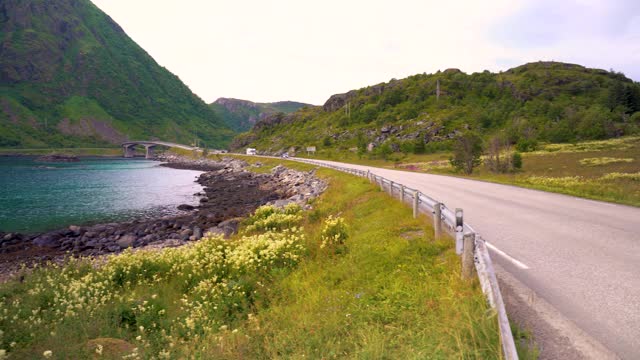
pixel 517 160
pixel 418 147
pixel 526 145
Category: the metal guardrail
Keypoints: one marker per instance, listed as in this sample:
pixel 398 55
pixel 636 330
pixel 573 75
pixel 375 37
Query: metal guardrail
pixel 464 234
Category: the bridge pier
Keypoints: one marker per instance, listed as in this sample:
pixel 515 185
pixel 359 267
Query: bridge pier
pixel 149 153
pixel 129 151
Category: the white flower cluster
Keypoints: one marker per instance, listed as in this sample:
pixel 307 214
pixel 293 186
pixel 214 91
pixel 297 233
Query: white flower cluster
pixel 282 249
pixel 334 232
pixel 270 218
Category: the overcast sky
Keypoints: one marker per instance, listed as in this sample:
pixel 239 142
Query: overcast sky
pixel 271 50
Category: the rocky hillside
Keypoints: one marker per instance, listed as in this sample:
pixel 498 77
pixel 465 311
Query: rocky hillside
pixel 70 76
pixel 241 115
pixel 543 101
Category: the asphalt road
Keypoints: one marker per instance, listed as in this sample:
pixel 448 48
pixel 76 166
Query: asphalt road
pixel 581 256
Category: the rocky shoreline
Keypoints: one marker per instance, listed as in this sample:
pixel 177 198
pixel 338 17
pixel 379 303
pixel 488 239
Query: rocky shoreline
pixel 230 192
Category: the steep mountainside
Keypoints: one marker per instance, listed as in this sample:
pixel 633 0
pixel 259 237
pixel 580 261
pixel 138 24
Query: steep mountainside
pixel 241 115
pixel 70 76
pixel 543 101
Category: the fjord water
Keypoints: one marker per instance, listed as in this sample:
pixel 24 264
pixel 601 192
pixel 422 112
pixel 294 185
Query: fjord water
pixel 37 196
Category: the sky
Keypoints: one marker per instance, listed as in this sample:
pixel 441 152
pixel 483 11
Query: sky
pixel 300 50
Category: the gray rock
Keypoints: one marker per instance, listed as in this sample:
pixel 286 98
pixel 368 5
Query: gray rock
pixel 197 233
pixel 75 229
pixel 126 241
pixel 282 203
pixel 214 231
pixel 113 248
pixel 230 227
pixel 47 240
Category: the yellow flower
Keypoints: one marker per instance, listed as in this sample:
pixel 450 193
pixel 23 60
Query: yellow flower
pixel 47 354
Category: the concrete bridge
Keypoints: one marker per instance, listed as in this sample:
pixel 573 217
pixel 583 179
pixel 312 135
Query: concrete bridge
pixel 129 147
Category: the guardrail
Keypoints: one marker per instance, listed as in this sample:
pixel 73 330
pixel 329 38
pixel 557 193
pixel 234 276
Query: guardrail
pixel 469 244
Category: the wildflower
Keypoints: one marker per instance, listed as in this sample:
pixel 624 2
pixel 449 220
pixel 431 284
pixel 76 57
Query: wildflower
pixel 47 354
pixel 99 349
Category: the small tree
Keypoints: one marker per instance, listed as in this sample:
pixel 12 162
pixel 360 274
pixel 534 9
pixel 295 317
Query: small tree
pixel 499 155
pixel 467 149
pixel 418 147
pixel 517 160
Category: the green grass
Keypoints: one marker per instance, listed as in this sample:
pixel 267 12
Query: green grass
pixel 604 170
pixel 386 291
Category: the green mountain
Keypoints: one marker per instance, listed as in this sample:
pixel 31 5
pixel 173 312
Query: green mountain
pixel 543 101
pixel 70 76
pixel 241 115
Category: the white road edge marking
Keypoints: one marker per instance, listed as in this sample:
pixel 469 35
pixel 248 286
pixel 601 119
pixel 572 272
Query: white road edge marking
pixel 517 263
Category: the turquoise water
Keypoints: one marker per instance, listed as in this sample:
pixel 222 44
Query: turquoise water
pixel 37 196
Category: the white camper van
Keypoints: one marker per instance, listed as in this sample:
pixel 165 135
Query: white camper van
pixel 251 151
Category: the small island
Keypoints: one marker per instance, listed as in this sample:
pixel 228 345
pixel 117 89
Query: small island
pixel 58 158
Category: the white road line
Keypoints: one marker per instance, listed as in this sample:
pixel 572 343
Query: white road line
pixel 515 262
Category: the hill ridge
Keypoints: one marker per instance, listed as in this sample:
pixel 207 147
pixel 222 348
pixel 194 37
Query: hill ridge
pixel 71 76
pixel 537 101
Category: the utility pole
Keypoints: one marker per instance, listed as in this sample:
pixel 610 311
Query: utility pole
pixel 347 110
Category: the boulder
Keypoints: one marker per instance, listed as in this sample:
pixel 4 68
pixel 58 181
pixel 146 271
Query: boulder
pixel 214 231
pixel 197 233
pixel 186 207
pixel 47 240
pixel 109 348
pixel 126 241
pixel 230 227
pixel 75 229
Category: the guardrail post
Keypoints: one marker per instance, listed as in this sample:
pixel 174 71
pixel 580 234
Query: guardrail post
pixel 416 201
pixel 459 231
pixel 402 193
pixel 391 188
pixel 381 183
pixel 468 250
pixel 437 220
pixel 368 175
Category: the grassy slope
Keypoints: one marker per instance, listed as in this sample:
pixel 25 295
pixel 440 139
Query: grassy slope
pixel 239 118
pixel 390 292
pixel 544 101
pixel 555 168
